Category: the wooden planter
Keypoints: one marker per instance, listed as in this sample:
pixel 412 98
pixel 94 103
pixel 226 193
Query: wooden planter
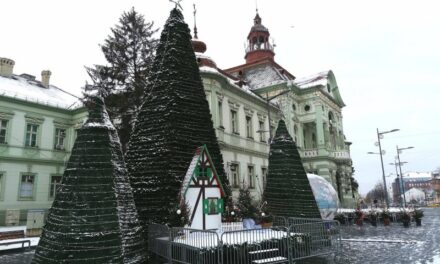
pixel 418 221
pixel 266 225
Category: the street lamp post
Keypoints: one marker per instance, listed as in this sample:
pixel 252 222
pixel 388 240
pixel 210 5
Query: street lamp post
pixel 379 135
pixel 400 169
pixel 401 187
pixel 268 99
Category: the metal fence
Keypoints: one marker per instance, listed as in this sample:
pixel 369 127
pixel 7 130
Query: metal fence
pixel 314 239
pixel 194 246
pixel 158 240
pixel 266 245
pixel 232 244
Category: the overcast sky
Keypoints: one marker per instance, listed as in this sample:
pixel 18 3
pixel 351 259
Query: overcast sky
pixel 385 55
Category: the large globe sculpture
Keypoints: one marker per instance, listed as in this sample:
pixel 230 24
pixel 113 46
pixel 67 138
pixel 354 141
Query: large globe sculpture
pixel 325 195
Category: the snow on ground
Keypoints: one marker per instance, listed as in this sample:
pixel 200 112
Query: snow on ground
pixel 34 243
pixel 211 239
pixel 12 228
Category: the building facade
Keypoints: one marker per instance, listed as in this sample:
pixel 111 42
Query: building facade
pixel 248 100
pixel 435 183
pixel 37 131
pixel 38 122
pixel 414 180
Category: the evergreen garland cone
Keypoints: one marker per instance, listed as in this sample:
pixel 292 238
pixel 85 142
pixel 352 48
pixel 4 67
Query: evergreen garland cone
pixel 288 192
pixel 93 218
pixel 173 121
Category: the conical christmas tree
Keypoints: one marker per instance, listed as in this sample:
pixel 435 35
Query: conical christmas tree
pixel 93 218
pixel 288 192
pixel 173 121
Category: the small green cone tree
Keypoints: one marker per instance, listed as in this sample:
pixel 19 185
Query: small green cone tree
pixel 173 122
pixel 93 218
pixel 288 192
pixel 245 206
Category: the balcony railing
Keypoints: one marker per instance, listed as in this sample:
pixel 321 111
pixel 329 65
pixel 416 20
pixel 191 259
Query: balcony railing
pixel 310 153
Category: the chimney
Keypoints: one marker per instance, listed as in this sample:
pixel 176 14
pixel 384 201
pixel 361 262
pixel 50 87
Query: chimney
pixel 45 77
pixel 6 67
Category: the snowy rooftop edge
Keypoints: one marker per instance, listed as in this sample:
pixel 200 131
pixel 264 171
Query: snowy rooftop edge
pixel 245 88
pixel 29 90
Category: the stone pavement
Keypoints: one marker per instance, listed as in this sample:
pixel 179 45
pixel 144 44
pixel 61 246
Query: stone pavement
pixel 367 244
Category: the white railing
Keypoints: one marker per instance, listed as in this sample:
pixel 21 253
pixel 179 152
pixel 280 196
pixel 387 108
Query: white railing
pixel 308 153
pixel 340 155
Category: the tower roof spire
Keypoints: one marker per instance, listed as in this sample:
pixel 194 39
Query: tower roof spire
pixel 195 23
pixel 259 46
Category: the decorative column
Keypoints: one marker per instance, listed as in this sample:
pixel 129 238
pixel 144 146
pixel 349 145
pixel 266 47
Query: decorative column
pixel 320 137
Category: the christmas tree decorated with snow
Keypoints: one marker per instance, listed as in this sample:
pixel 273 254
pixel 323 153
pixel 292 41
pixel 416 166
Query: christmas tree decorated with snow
pixel 93 218
pixel 246 208
pixel 288 192
pixel 173 121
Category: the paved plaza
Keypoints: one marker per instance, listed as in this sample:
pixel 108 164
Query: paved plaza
pixel 366 244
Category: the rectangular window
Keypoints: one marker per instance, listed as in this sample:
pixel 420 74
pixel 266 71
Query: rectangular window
pixel 313 140
pixel 220 114
pixel 235 176
pixel 60 137
pixel 27 186
pixel 234 122
pixel 262 132
pixel 1 185
pixel 55 181
pixel 3 127
pixel 264 176
pixel 31 135
pixel 249 133
pixel 251 177
pixel 272 129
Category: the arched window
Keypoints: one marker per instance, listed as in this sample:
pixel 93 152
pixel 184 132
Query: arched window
pixel 295 132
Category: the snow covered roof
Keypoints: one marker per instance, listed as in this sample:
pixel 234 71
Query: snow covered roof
pixel 417 175
pixel 261 73
pixel 232 82
pixel 314 80
pixel 264 75
pixel 28 89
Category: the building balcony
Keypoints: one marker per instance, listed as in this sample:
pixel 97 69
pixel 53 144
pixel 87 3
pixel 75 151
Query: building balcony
pixel 325 153
pixel 309 153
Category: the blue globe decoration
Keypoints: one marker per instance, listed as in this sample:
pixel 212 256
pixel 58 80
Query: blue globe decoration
pixel 325 195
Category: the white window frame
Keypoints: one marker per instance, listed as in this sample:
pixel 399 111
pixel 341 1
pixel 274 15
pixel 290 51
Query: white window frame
pixel 234 122
pixel 235 177
pixel 4 129
pixel 264 171
pixel 2 184
pixel 54 185
pixel 249 129
pixel 30 133
pixel 262 131
pixel 60 139
pixel 251 176
pixel 220 113
pixel 22 185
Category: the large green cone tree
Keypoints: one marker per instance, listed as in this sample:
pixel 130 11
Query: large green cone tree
pixel 173 121
pixel 288 192
pixel 93 218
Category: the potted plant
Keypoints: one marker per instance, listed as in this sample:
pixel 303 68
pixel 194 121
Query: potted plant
pixel 418 214
pixel 359 217
pixel 373 218
pixel 340 218
pixel 406 219
pixel 386 217
pixel 266 220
